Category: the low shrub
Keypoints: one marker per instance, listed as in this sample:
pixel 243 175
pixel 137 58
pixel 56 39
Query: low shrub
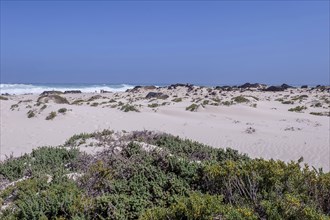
pixel 43 107
pixel 193 107
pixel 128 108
pixel 177 100
pixel 51 116
pixel 153 105
pixel 227 103
pixel 3 97
pixel 94 104
pixel 240 99
pixel 62 110
pixel 297 109
pixel 288 102
pixel 31 114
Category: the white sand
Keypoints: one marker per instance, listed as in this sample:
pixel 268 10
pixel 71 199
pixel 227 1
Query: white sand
pixel 279 134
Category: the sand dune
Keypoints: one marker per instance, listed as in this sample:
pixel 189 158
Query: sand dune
pixel 266 129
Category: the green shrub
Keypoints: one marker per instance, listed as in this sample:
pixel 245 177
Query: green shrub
pixel 297 109
pixel 94 104
pixel 62 110
pixel 77 102
pixel 279 99
pixel 320 113
pixel 205 102
pixel 240 99
pixel 193 107
pixel 128 108
pixel 288 102
pixel 3 97
pixel 31 114
pixel 227 103
pixel 174 179
pixel 177 100
pixel 12 107
pixel 43 107
pixel 51 116
pixel 153 105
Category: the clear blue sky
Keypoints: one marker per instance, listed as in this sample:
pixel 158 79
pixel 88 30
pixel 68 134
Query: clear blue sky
pixel 208 42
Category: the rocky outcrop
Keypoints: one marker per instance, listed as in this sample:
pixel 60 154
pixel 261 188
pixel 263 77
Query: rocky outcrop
pixel 138 88
pixel 53 92
pixel 278 88
pixel 72 92
pixel 157 95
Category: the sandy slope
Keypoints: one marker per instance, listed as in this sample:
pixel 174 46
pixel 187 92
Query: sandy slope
pixel 279 134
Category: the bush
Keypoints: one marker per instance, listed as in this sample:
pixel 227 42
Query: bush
pixel 240 99
pixel 94 104
pixel 171 179
pixel 128 108
pixel 153 105
pixel 77 102
pixel 287 102
pixel 62 110
pixel 43 107
pixel 297 109
pixel 3 97
pixel 227 103
pixel 177 100
pixel 51 116
pixel 31 114
pixel 193 107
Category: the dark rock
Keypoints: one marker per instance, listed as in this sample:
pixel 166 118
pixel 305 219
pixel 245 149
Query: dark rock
pixel 137 88
pixel 174 86
pixel 105 91
pixel 72 92
pixel 157 95
pixel 53 92
pixel 304 87
pixel 224 88
pixel 285 86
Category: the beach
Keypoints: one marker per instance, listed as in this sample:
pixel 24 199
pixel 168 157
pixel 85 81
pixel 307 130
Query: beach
pixel 281 125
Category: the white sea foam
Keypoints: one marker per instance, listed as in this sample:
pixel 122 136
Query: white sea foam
pixel 39 88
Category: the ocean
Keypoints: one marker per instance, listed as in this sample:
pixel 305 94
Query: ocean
pixel 39 88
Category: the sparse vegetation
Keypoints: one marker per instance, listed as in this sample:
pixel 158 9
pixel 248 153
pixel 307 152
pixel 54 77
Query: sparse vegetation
pixel 297 109
pixel 43 107
pixel 179 179
pixel 240 99
pixel 62 110
pixel 153 105
pixel 227 103
pixel 177 100
pixel 205 102
pixel 77 102
pixel 51 116
pixel 12 107
pixel 299 97
pixel 94 104
pixel 31 114
pixel 3 97
pixel 288 102
pixel 129 108
pixel 279 100
pixel 320 113
pixel 193 107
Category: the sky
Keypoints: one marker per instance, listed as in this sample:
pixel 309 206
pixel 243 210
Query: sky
pixel 153 42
